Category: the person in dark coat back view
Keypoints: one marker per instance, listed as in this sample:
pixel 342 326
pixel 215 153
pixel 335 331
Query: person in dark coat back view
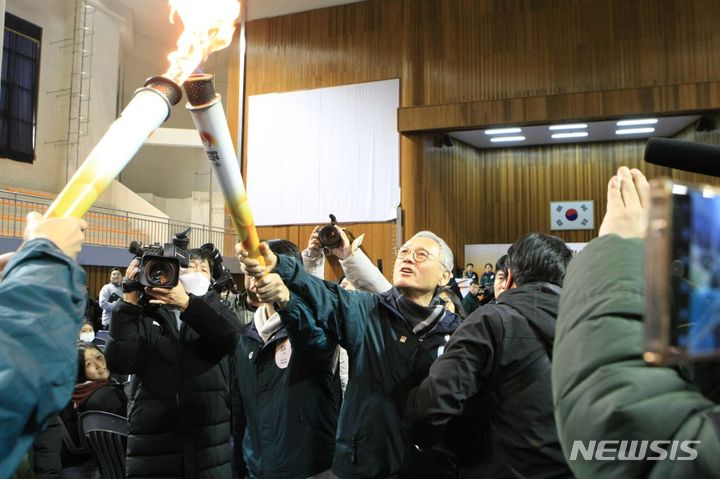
pixel 488 397
pixel 177 347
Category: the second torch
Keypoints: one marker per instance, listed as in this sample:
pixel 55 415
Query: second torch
pixel 209 118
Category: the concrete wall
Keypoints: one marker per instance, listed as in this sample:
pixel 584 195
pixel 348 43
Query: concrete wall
pixel 177 178
pixel 48 168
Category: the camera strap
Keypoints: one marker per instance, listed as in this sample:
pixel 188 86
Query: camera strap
pixel 129 286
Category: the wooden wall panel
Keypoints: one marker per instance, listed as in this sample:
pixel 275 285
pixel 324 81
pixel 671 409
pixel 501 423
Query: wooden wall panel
pixel 379 242
pixel 97 277
pixel 495 196
pixel 470 62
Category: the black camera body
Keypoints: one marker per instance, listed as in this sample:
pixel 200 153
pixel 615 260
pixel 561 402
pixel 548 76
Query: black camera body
pixel 329 236
pixel 160 263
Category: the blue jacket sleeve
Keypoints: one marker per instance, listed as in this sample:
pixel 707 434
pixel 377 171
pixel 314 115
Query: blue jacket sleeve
pixel 336 315
pixel 42 303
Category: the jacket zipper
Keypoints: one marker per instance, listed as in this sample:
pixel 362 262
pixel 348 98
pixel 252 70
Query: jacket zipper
pixel 354 458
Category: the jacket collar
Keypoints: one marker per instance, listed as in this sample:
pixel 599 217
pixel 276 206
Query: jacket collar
pixel 446 325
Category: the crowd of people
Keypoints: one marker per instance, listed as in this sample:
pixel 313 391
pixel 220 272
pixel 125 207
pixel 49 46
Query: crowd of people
pixel 300 377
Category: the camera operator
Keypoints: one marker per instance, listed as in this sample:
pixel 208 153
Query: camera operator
pixel 110 293
pixel 176 344
pixel 603 389
pixel 42 303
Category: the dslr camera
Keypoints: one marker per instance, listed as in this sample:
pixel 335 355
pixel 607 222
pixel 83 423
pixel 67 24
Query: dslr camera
pixel 160 263
pixel 328 234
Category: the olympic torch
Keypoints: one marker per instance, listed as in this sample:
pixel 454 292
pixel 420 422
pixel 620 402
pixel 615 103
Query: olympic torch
pixel 209 117
pixel 148 109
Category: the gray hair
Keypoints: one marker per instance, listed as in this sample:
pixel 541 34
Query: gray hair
pixel 446 254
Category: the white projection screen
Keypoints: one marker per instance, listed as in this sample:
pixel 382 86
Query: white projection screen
pixel 330 150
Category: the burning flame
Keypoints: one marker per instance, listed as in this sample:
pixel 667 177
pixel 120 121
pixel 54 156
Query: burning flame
pixel 209 27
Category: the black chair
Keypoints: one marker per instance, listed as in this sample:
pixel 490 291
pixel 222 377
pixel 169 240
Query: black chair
pixel 106 434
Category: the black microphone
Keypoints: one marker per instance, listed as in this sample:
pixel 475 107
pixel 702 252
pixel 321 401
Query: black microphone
pixel 684 155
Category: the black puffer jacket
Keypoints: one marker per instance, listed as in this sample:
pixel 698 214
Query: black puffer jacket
pixel 180 417
pixel 493 380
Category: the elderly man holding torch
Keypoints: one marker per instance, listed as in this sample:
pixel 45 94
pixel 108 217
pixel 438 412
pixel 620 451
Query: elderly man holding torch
pixel 391 338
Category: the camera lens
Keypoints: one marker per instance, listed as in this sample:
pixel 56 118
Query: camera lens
pixel 329 236
pixel 159 273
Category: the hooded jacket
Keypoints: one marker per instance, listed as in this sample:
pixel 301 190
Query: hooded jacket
pixel 387 359
pixel 42 302
pixel 603 389
pixel 179 418
pixel 491 388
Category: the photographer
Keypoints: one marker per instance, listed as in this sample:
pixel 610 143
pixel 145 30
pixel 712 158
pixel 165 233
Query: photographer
pixel 42 302
pixel 603 389
pixel 358 269
pixel 110 293
pixel 176 344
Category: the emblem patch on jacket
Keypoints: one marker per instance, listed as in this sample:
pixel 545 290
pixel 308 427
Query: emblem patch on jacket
pixel 283 351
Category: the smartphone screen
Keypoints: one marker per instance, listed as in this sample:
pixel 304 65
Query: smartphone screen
pixel 695 272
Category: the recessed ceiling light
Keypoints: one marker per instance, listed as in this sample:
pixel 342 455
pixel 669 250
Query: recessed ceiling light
pixel 502 131
pixel 569 126
pixel 499 139
pixel 572 134
pixel 634 131
pixel 641 121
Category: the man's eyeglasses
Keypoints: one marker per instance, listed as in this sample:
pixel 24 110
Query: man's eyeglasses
pixel 419 255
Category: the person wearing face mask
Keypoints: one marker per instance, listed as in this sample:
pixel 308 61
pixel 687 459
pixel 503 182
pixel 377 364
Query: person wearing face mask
pixel 87 335
pixel 391 338
pixel 176 346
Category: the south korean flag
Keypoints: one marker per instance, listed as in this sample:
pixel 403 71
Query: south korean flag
pixel 572 215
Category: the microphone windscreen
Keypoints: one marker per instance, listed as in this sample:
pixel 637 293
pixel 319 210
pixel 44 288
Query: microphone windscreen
pixel 684 155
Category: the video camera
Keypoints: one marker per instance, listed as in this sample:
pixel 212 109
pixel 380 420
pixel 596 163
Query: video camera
pixel 160 264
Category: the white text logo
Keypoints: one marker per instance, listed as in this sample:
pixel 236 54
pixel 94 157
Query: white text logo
pixel 634 450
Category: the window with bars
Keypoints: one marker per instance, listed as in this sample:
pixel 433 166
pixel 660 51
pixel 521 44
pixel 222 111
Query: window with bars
pixel 19 89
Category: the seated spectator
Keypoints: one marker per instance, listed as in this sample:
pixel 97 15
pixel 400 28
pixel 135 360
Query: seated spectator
pixel 470 273
pixel 95 389
pixel 471 302
pixel 87 335
pixel 488 276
